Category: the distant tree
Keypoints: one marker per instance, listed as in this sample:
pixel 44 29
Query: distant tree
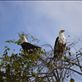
pixel 39 67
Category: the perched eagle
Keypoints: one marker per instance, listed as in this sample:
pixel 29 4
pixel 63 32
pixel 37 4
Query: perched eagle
pixel 60 45
pixel 28 47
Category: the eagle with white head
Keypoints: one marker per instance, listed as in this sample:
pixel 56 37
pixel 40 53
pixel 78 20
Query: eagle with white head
pixel 60 45
pixel 27 47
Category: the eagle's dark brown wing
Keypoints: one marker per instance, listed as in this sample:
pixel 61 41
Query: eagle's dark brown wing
pixel 30 48
pixel 59 48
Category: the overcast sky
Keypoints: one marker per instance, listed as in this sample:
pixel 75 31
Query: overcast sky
pixel 43 19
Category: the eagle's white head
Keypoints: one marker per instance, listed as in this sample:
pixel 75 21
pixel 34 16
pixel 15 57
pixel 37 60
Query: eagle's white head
pixel 62 38
pixel 23 38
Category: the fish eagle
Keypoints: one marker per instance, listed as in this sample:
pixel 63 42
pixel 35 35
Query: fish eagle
pixel 60 45
pixel 28 47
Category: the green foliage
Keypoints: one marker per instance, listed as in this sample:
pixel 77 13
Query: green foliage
pixel 13 41
pixel 16 67
pixel 37 67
